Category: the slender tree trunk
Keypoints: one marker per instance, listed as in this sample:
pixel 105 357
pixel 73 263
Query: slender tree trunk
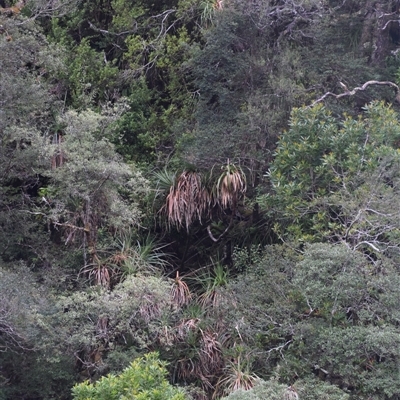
pixel 381 21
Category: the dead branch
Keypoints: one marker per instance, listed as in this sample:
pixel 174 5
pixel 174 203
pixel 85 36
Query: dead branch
pixel 55 8
pixel 280 348
pixel 388 22
pixel 355 90
pixel 213 238
pixel 105 32
pixel 11 338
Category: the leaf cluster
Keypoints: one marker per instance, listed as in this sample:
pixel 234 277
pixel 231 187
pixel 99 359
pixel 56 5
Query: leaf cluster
pixel 144 379
pixel 319 161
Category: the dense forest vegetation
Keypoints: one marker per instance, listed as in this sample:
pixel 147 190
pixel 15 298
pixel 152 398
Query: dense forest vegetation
pixel 200 199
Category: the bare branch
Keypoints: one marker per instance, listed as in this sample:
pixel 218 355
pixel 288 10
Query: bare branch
pixel 388 22
pixel 221 235
pixel 280 348
pixel 105 32
pixel 355 90
pixel 164 30
pixel 10 338
pixel 55 8
pixel 368 244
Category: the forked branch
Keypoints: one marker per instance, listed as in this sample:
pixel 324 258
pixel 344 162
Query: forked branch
pixel 355 90
pixel 213 238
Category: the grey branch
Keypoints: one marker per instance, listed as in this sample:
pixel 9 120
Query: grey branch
pixel 220 236
pixel 280 348
pixel 389 22
pixel 11 339
pixel 355 90
pixel 105 32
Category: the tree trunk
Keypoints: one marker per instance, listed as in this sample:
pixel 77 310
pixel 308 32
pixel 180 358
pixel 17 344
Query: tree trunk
pixel 380 25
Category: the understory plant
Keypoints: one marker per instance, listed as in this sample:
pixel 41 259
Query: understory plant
pixel 144 379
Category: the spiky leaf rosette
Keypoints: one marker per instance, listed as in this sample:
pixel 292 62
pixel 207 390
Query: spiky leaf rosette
pixel 187 201
pixel 231 186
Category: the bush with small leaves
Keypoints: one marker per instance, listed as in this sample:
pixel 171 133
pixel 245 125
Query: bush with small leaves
pixel 144 379
pixel 304 390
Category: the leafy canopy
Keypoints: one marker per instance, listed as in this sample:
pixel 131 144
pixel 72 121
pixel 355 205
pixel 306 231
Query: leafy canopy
pixel 319 161
pixel 144 379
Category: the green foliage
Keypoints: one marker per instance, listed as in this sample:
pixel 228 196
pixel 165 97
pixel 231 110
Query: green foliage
pixel 93 323
pixel 219 72
pixel 246 86
pixel 140 131
pixel 238 372
pixel 317 158
pixel 90 188
pixel 192 85
pixel 144 379
pixel 90 76
pixel 18 293
pixel 327 313
pixel 211 282
pixel 27 366
pixel 26 113
pixel 273 390
pixel 131 258
pixel 114 44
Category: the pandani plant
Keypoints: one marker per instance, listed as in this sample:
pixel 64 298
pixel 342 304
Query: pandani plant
pixel 237 373
pixel 192 197
pixel 180 292
pixel 188 200
pixel 231 186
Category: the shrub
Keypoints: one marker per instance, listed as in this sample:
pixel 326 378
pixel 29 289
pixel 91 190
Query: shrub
pixel 144 379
